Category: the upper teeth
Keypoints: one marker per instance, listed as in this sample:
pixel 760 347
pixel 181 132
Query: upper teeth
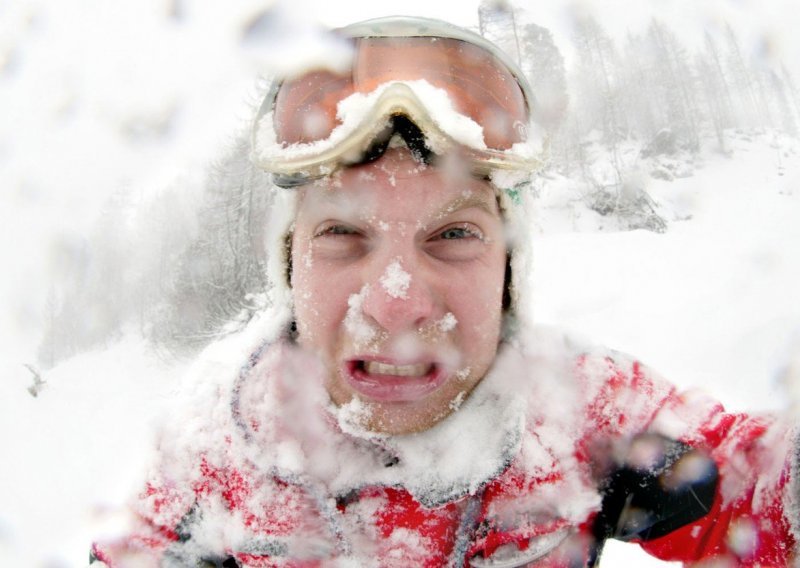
pixel 375 368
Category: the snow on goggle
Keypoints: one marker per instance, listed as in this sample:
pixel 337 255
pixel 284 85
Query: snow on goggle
pixel 441 88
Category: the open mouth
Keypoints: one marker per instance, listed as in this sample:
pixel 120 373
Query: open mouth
pixel 383 381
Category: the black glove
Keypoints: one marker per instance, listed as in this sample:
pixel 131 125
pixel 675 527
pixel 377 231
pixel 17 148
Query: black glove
pixel 659 486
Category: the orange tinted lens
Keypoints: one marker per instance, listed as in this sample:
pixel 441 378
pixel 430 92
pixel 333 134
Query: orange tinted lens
pixel 478 84
pixel 305 108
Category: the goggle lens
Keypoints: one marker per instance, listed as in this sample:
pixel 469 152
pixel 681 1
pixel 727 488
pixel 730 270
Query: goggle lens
pixel 478 84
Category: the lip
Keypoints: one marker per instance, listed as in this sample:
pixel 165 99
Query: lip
pixel 390 387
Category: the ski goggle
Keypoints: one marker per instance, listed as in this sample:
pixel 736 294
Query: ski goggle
pixel 439 87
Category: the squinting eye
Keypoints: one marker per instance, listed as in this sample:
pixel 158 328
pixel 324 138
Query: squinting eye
pixel 460 242
pixel 338 241
pixel 335 230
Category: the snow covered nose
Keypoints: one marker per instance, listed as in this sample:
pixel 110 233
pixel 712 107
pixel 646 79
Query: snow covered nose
pixel 400 66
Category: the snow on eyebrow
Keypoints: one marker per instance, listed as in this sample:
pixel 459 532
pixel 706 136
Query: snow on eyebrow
pixel 395 280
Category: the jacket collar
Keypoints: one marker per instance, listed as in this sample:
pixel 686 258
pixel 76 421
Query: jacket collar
pixel 455 458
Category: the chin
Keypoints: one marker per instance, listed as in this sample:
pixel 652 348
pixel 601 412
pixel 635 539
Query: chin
pixel 396 418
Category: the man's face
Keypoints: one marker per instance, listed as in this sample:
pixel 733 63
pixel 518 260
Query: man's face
pixel 397 276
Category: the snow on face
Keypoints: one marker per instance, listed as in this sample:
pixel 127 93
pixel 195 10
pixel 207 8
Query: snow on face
pixel 396 280
pixel 403 292
pixel 360 330
pixel 354 417
pixel 447 323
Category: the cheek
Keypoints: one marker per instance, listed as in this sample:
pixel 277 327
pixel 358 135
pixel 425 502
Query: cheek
pixel 320 298
pixel 479 306
pixel 305 285
pixel 481 317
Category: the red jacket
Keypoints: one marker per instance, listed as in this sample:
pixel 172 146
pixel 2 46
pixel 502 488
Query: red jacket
pixel 557 449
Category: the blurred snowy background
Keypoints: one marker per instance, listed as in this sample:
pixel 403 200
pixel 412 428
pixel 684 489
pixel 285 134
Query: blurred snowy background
pixel 669 219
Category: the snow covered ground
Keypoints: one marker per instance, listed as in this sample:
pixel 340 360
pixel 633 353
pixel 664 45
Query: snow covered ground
pixel 712 302
pixel 107 100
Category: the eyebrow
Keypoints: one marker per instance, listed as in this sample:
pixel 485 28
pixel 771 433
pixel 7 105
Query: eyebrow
pixel 467 202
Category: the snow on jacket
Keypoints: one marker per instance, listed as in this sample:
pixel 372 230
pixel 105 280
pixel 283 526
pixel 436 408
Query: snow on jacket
pixel 557 447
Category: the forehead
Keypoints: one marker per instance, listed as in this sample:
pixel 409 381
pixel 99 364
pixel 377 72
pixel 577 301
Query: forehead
pixel 396 185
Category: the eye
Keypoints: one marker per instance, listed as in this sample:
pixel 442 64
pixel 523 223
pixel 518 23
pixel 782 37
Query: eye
pixel 335 230
pixel 335 240
pixel 458 242
pixel 458 232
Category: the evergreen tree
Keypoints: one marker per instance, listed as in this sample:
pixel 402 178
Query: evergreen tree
pixel 543 65
pixel 676 83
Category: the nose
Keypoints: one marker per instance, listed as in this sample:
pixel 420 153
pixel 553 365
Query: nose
pixel 400 296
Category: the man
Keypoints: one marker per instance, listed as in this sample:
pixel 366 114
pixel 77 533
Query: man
pixel 397 407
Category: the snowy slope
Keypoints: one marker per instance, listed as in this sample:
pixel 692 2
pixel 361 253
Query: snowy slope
pixel 711 304
pixel 112 99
